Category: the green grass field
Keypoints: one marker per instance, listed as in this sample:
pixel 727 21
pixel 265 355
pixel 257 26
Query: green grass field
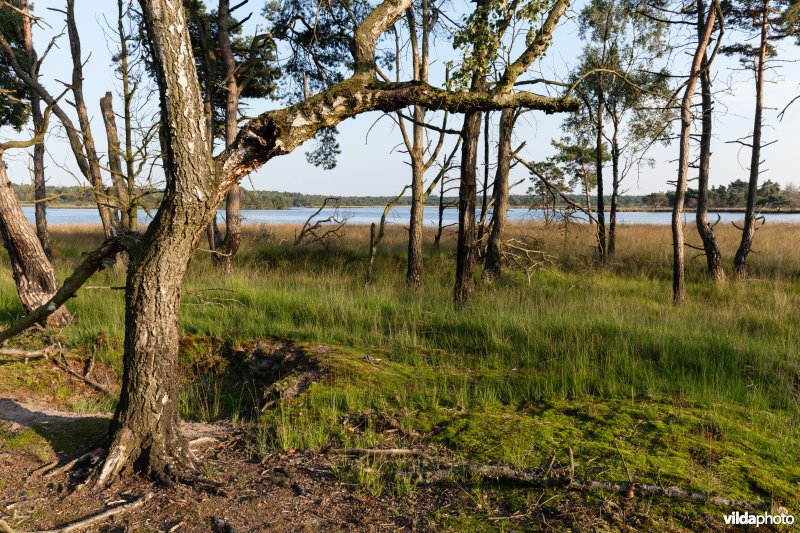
pixel 705 396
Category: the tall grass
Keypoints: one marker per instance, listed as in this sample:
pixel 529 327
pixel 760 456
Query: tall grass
pixel 576 330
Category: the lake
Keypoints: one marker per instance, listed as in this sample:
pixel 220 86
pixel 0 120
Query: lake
pixel 398 215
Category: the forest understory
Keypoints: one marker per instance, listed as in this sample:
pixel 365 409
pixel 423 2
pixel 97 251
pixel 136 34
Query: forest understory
pixel 301 369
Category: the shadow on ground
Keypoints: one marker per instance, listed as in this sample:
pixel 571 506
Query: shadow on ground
pixel 66 434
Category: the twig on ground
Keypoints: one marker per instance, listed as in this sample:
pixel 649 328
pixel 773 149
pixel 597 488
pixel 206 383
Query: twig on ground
pixel 378 452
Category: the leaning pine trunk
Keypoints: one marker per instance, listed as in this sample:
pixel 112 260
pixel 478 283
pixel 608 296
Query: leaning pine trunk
pixel 33 273
pixel 706 231
pixel 494 251
pixel 740 260
pixel 678 274
pixel 228 247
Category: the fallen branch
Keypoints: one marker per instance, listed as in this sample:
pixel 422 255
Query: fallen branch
pixel 64 365
pixel 504 473
pixel 99 517
pixel 378 452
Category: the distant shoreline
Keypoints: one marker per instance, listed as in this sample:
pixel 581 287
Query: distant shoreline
pixel 626 209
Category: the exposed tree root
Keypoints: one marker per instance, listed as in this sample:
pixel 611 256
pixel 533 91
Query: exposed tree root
pixel 504 473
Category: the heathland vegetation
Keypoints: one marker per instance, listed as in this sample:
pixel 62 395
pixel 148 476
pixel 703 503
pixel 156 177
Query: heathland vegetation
pixel 571 374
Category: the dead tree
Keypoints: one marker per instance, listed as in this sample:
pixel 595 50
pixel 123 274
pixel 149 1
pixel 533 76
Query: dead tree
pixel 678 267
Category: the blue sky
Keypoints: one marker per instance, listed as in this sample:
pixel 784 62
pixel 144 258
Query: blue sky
pixel 372 163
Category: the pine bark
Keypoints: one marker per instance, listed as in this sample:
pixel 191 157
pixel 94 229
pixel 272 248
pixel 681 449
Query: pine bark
pixel 678 252
pixel 39 186
pixel 615 179
pixel 467 192
pixel 746 243
pixel 228 245
pixel 713 254
pixel 33 274
pixel 500 190
pixel 601 202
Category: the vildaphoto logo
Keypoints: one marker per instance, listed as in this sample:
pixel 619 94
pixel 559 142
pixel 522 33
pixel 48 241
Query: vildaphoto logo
pixel 746 519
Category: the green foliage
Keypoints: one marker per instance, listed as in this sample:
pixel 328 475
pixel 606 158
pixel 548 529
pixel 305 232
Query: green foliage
pixel 13 110
pixel 255 56
pixel 482 37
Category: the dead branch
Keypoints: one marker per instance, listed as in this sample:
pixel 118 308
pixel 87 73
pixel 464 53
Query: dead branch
pixel 526 257
pixel 99 517
pixel 372 452
pixel 64 365
pixel 319 231
pixel 99 259
pixel 504 473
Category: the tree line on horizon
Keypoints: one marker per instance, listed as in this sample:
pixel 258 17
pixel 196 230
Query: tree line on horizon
pixel 770 196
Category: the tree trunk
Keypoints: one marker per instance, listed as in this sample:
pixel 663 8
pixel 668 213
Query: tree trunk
pixel 33 273
pixel 39 187
pixel 415 228
pixel 227 248
pixel 740 260
pixel 612 218
pixel 706 231
pixel 678 273
pixel 95 176
pixel 115 163
pixel 467 192
pixel 494 251
pixel 601 206
pixel 485 187
pixel 145 430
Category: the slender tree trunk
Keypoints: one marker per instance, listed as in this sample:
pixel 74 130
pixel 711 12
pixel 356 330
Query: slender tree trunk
pixel 740 260
pixel 39 187
pixel 95 174
pixel 33 273
pixel 415 229
pixel 440 226
pixel 601 206
pixel 485 187
pixel 678 271
pixel 115 162
pixel 467 192
pixel 706 231
pixel 494 251
pixel 612 219
pixel 227 248
pixel 127 96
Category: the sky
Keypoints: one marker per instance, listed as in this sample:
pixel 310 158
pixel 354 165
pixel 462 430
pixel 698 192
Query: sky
pixel 372 161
